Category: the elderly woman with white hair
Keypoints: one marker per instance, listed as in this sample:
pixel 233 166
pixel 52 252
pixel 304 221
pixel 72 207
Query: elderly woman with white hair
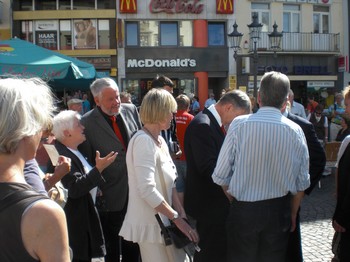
pixel 84 229
pixel 33 227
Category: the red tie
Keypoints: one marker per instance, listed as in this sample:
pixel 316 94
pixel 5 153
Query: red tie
pixel 117 130
pixel 223 129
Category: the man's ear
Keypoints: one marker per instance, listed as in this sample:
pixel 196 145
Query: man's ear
pixel 97 101
pixel 66 133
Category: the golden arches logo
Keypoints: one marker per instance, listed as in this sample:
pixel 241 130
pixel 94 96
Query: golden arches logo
pixel 127 5
pixel 225 5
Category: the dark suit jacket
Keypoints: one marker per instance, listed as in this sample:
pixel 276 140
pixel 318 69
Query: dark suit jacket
pixel 84 229
pixel 203 140
pixel 100 136
pixel 316 152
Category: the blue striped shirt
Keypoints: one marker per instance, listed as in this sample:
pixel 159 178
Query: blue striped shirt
pixel 264 156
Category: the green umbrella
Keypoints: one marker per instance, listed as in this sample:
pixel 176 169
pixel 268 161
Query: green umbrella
pixel 24 59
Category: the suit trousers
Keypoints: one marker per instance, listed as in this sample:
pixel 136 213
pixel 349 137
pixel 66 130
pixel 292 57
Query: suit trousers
pixel 294 248
pixel 258 231
pixel 116 246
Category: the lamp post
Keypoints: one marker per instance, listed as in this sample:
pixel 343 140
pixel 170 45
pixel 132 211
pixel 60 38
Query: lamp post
pixel 254 34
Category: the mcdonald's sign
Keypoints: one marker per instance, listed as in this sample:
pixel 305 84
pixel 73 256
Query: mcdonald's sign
pixel 128 6
pixel 224 6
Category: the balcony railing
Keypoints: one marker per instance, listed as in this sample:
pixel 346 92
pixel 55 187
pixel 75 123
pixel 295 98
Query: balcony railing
pixel 302 42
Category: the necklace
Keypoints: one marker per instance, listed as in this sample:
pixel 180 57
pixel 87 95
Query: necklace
pixel 156 140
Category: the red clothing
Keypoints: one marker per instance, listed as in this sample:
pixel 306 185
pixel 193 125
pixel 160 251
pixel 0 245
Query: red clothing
pixel 183 119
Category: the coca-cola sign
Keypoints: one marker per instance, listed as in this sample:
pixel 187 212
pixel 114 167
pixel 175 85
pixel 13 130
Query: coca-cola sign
pixel 176 6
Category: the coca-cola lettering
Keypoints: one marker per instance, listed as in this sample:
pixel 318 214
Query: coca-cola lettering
pixel 176 6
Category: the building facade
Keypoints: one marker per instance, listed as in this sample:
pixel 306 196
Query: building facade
pixel 134 40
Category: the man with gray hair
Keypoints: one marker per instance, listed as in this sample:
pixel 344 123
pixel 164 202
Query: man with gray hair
pixel 204 200
pixel 109 127
pixel 295 107
pixel 263 168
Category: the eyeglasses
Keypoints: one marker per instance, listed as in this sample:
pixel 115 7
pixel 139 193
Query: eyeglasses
pixel 44 139
pixel 318 113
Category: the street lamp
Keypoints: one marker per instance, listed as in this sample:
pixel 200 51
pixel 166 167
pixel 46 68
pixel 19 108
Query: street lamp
pixel 254 34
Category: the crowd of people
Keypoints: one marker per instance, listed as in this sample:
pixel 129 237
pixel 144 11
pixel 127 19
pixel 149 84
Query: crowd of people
pixel 230 177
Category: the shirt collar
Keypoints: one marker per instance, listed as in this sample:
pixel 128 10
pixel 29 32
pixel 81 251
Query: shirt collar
pixel 215 113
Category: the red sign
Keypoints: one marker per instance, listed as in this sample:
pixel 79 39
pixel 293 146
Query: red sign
pixel 176 6
pixel 128 6
pixel 224 6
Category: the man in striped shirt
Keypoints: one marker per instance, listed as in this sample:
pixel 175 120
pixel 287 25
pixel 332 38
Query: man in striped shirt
pixel 263 168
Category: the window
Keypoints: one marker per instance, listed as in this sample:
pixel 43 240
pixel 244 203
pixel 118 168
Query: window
pixel 65 35
pixel 263 12
pixel 131 34
pixel 85 34
pixel 168 34
pixel 26 5
pixel 103 34
pixel 216 34
pixel 64 5
pixel 321 19
pixel 158 33
pixel 27 30
pixel 291 18
pixel 186 33
pixel 45 5
pixel 83 4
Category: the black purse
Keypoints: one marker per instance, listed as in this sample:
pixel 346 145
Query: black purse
pixel 173 235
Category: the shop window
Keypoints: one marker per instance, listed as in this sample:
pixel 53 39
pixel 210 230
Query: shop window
pixel 83 4
pixel 106 4
pixel 46 34
pixel 65 35
pixel 103 34
pixel 216 34
pixel 27 31
pixel 45 5
pixel 168 34
pixel 85 34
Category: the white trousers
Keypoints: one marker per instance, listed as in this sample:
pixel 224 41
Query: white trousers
pixel 151 252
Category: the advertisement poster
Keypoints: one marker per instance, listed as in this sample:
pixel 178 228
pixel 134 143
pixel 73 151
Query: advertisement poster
pixel 85 34
pixel 46 34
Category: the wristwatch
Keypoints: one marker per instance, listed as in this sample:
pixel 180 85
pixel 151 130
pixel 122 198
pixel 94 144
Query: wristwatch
pixel 176 215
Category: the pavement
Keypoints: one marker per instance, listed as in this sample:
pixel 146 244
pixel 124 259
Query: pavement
pixel 316 221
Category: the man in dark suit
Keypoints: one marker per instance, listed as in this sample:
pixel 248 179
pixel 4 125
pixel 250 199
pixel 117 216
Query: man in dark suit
pixel 317 163
pixel 109 127
pixel 204 200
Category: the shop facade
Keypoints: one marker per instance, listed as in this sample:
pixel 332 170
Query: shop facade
pixel 186 41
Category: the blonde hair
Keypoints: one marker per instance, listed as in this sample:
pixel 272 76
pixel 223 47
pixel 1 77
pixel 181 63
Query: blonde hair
pixel 26 107
pixel 156 106
pixel 346 92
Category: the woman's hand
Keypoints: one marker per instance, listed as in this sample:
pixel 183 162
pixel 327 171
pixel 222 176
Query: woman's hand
pixel 103 162
pixel 186 229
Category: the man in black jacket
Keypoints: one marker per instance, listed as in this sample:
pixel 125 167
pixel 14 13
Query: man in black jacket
pixel 317 158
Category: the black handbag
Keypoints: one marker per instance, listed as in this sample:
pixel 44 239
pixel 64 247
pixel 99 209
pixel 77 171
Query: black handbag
pixel 173 235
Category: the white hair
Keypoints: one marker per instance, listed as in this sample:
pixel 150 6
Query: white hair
pixel 64 121
pixel 101 83
pixel 26 108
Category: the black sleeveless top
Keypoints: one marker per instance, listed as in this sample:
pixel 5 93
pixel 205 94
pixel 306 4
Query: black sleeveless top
pixel 12 248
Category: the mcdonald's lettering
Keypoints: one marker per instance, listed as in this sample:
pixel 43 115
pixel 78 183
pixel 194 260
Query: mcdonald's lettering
pixel 224 6
pixel 128 6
